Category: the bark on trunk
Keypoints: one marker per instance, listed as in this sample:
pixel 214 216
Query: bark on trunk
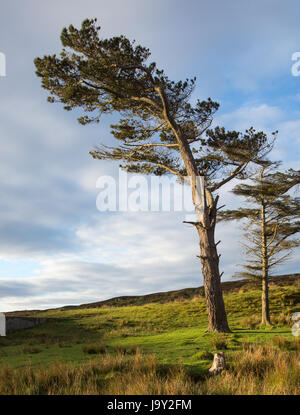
pixel 206 227
pixel 265 309
pixel 206 213
pixel 210 271
pixel 265 312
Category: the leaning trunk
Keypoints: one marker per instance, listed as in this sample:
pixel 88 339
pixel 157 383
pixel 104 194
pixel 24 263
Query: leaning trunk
pixel 210 271
pixel 205 225
pixel 206 213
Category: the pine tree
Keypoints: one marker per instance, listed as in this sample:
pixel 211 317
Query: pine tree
pixel 159 132
pixel 272 222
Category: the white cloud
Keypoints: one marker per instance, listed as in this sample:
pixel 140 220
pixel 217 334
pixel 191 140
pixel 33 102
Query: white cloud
pixel 257 115
pixel 122 254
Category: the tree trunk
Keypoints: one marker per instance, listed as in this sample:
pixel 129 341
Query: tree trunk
pixel 206 213
pixel 210 271
pixel 265 311
pixel 206 220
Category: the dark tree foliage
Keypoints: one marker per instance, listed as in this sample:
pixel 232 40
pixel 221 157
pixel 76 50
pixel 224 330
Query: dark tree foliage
pixel 159 131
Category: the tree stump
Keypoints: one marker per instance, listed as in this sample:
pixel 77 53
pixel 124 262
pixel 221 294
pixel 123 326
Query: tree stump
pixel 218 364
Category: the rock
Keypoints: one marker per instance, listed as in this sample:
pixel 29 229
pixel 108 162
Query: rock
pixel 218 364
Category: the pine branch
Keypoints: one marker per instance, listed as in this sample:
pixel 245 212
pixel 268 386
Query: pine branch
pixel 274 236
pixel 232 175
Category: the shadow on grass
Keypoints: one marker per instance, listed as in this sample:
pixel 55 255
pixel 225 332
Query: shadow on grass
pixel 51 333
pixel 262 331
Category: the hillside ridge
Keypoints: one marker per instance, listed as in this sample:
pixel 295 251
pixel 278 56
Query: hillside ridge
pixel 165 296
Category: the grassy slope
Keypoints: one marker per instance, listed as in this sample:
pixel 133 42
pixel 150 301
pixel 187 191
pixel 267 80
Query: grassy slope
pixel 173 330
pixel 163 297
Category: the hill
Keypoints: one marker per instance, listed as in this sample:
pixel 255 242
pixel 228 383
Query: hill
pixel 165 297
pixel 158 344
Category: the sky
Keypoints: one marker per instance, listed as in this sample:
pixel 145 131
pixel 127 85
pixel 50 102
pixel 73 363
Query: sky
pixel 56 247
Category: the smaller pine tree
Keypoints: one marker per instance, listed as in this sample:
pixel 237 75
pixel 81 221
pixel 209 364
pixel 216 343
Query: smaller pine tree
pixel 271 223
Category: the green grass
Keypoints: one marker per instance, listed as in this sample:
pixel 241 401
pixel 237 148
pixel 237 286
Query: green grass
pixel 175 332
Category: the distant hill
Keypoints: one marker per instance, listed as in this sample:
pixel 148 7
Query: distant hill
pixel 164 297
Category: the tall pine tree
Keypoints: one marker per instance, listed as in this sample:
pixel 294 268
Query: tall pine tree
pixel 272 222
pixel 159 132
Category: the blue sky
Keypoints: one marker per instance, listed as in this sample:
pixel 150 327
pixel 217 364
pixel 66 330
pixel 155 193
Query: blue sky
pixel 56 248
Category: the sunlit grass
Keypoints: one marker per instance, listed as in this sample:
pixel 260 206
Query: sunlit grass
pixel 261 370
pixel 174 332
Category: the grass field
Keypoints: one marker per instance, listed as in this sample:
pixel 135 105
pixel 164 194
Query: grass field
pixel 157 347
